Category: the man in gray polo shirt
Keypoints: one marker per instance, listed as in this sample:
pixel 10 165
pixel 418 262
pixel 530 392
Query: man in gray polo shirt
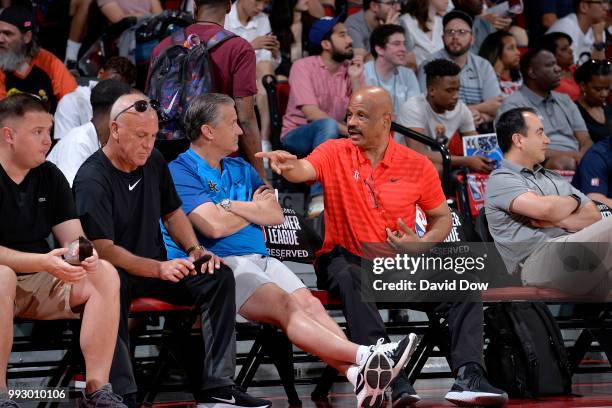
pixel 569 137
pixel 479 87
pixel 547 232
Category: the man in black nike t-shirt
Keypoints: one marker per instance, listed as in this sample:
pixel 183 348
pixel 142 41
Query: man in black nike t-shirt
pixel 121 193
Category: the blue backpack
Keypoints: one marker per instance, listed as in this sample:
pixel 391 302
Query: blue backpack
pixel 181 72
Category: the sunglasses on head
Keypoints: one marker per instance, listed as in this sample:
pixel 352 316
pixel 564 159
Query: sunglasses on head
pixel 140 106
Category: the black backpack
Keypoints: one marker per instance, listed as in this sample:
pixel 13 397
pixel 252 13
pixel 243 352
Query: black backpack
pixel 180 73
pixel 526 356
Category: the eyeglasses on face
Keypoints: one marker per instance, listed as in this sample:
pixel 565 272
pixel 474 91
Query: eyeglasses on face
pixel 462 32
pixel 140 106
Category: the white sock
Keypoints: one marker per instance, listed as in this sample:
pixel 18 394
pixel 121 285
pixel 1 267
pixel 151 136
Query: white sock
pixel 363 352
pixel 72 50
pixel 351 375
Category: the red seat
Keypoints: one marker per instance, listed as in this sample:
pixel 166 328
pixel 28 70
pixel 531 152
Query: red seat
pixel 149 305
pixel 326 298
pixel 525 293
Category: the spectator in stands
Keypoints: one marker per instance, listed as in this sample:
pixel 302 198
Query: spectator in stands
pixel 248 20
pixel 541 14
pixel 82 141
pixel 75 110
pixel 594 175
pixel 595 80
pixel 423 25
pixel 374 13
pixel 569 137
pixel 321 86
pixel 233 72
pixel 116 10
pixel 439 113
pixel 24 66
pixel 479 86
pixel 500 49
pixel 229 220
pixel 481 28
pixel 35 281
pixel 486 23
pixel 121 192
pixel 587 27
pixel 539 221
pixel 354 172
pixel 560 44
pixel 79 14
pixel 287 25
pixel 388 45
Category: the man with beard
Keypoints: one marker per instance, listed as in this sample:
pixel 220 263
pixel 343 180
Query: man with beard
pixel 563 123
pixel 321 86
pixel 479 85
pixel 24 66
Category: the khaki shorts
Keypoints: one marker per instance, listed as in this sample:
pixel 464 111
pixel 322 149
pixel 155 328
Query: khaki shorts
pixel 41 296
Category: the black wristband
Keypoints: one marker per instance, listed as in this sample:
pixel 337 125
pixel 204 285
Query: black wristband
pixel 578 201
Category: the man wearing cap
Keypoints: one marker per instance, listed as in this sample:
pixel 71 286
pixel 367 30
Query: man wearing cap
pixel 479 87
pixel 321 86
pixel 24 66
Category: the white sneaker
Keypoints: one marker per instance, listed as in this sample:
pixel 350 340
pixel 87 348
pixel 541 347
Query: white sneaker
pixel 381 368
pixel 316 206
pixel 398 352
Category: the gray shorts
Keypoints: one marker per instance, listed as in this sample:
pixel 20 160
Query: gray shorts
pixel 255 270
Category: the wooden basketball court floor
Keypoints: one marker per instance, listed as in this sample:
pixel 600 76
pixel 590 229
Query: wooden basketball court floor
pixel 591 390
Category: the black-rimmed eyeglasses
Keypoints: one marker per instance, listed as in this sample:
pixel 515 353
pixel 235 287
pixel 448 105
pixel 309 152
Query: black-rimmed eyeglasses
pixel 140 106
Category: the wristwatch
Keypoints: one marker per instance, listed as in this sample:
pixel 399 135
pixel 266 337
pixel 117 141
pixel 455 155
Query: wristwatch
pixel 226 204
pixel 578 201
pixel 194 247
pixel 599 46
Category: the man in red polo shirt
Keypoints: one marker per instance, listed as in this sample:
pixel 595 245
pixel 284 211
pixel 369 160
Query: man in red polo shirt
pixel 372 187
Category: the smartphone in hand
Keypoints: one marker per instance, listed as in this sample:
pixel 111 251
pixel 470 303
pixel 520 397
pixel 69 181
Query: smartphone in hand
pixel 201 261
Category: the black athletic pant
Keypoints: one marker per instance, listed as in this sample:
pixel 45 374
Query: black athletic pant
pixel 339 273
pixel 214 297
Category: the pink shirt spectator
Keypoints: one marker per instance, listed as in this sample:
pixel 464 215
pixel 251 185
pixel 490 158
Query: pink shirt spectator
pixel 312 84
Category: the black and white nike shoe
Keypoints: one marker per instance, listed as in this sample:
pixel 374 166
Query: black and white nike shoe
pixel 471 388
pixel 230 397
pixel 380 368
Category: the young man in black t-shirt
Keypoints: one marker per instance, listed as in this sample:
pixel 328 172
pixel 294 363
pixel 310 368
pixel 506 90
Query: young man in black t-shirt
pixel 35 282
pixel 121 192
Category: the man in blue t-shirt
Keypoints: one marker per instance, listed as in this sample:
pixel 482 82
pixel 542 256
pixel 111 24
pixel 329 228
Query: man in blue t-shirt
pixel 594 174
pixel 227 204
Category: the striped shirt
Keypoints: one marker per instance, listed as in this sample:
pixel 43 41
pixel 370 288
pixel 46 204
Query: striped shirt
pixel 361 202
pixel 478 79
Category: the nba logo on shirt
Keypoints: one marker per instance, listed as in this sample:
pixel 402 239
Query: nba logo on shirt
pixel 594 182
pixel 420 222
pixel 356 175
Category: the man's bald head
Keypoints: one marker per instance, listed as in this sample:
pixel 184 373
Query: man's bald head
pixel 132 133
pixel 125 103
pixel 374 97
pixel 369 117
